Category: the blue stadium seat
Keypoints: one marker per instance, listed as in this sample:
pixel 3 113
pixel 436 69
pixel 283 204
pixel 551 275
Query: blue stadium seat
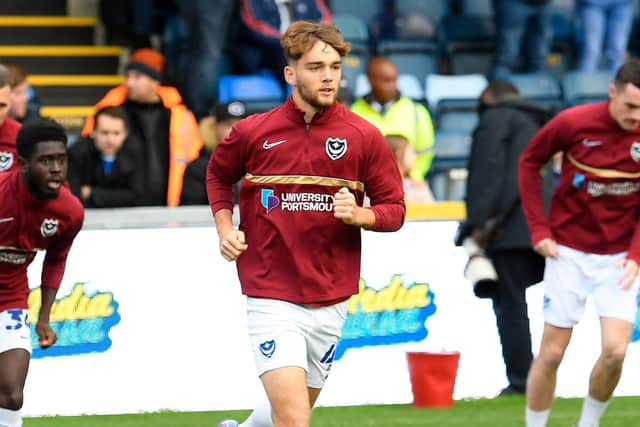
pixel 364 10
pixel 353 65
pixel 540 87
pixel 408 85
pixel 582 87
pixel 434 9
pixel 416 63
pixel 477 7
pixel 469 42
pixel 259 92
pixel 461 92
pixel 355 31
pixel 458 121
pixel 447 175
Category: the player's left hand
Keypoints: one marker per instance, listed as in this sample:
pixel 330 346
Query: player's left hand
pixel 630 272
pixel 47 337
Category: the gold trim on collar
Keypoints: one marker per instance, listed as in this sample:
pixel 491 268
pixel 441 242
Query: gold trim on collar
pixel 603 173
pixel 305 179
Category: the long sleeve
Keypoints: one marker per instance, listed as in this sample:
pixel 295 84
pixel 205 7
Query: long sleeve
pixel 56 256
pixel 384 187
pixel 487 166
pixel 553 137
pixel 226 166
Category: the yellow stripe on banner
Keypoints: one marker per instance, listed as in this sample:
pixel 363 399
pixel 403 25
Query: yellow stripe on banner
pixel 603 173
pixel 47 21
pixel 450 210
pixel 60 51
pixel 75 80
pixel 304 179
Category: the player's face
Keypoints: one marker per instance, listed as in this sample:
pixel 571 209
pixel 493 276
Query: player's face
pixel 19 100
pixel 624 106
pixel 316 76
pixel 5 102
pixel 109 134
pixel 46 170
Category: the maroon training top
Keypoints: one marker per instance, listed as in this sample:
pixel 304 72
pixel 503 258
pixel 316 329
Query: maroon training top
pixel 297 251
pixel 28 224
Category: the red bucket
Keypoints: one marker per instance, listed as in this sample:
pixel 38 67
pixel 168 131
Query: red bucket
pixel 433 376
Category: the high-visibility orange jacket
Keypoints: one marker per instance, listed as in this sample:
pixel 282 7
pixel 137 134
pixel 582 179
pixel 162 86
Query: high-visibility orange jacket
pixel 185 142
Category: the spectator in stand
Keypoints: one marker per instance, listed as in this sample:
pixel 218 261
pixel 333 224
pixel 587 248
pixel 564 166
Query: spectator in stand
pixel 392 113
pixel 8 127
pixel 24 104
pixel 262 23
pixel 207 29
pixel 100 173
pixel 522 26
pixel 163 133
pixel 405 155
pixel 496 221
pixel 605 22
pixel 213 130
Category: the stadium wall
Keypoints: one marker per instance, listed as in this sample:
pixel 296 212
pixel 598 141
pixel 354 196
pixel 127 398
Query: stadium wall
pixel 153 318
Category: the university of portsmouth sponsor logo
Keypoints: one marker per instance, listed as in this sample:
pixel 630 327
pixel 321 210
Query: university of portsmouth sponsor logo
pixel 336 147
pixel 268 199
pixel 6 161
pixel 81 320
pixel 310 202
pixel 635 151
pixel 394 314
pixel 296 202
pixel 49 227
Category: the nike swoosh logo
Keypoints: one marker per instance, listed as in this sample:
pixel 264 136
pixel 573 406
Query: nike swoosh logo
pixel 266 145
pixel 588 143
pixel 6 219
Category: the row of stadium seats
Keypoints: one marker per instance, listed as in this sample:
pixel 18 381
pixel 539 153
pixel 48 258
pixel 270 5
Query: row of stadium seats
pixel 439 92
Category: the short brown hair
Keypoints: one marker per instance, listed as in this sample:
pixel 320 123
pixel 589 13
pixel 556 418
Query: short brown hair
pixel 17 74
pixel 301 35
pixel 115 112
pixel 629 72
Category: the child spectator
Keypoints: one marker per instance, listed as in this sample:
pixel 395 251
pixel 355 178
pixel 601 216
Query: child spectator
pixel 405 155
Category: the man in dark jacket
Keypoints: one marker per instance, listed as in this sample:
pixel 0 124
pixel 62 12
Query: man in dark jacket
pixel 507 124
pixel 100 172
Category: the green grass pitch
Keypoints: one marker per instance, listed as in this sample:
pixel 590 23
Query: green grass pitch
pixel 499 412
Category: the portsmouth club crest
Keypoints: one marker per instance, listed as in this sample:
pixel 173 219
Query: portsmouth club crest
pixel 49 227
pixel 635 151
pixel 336 148
pixel 6 161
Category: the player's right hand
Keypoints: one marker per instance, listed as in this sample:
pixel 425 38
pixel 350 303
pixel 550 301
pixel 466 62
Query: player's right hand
pixel 547 248
pixel 232 244
pixel 46 336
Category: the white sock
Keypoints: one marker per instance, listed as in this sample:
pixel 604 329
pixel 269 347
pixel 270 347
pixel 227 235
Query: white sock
pixel 260 417
pixel 536 418
pixel 9 418
pixel 592 411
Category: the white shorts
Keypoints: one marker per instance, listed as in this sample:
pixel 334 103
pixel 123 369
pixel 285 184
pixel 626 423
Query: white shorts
pixel 14 330
pixel 286 334
pixel 576 274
